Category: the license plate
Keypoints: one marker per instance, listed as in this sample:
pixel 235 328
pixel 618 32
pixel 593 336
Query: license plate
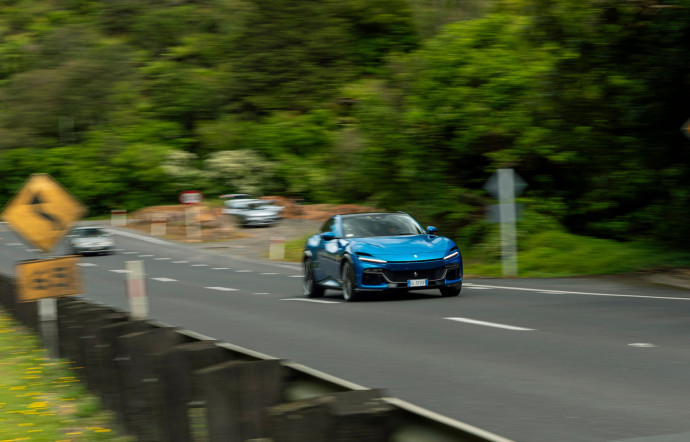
pixel 416 283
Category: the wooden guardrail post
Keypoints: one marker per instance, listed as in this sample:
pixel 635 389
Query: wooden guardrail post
pixel 141 395
pixel 236 394
pixel 360 415
pixel 175 368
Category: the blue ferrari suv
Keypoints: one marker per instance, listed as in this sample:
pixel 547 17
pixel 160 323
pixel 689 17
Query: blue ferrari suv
pixel 375 252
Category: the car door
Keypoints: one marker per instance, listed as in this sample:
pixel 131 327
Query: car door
pixel 327 251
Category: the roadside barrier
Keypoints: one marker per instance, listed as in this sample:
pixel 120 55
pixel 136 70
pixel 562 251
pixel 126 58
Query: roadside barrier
pixel 168 384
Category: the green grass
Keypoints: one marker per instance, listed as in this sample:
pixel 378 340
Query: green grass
pixel 40 398
pixel 557 253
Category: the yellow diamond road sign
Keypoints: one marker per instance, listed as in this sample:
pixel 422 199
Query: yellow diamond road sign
pixel 43 211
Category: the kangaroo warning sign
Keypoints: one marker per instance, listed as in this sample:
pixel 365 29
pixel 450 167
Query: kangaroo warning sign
pixel 43 211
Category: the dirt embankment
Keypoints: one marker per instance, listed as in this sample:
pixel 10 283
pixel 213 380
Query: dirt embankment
pixel 202 223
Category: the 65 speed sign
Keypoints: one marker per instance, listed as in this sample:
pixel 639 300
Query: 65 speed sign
pixel 191 197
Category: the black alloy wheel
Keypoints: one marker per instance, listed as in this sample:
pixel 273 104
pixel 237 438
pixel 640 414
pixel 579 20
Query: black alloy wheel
pixel 348 283
pixel 311 288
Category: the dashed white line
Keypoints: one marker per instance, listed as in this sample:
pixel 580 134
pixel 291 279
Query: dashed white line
pixel 490 324
pixel 164 279
pixel 269 273
pixel 568 292
pixel 14 244
pixel 318 301
pixel 129 253
pixel 262 293
pixel 641 344
pixel 120 271
pixel 222 289
pixel 87 264
pixel 145 256
pixel 295 276
pixel 242 271
pixel 180 262
pixel 220 268
pixel 162 259
pixel 199 265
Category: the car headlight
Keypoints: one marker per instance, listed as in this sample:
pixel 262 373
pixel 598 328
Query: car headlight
pixel 374 260
pixel 452 254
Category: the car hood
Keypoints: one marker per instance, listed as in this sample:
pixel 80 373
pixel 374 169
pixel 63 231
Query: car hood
pixel 404 248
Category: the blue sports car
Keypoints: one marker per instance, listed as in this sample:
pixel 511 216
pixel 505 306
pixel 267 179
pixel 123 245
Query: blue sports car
pixel 374 252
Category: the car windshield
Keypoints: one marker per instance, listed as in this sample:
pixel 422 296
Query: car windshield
pixel 91 233
pixel 380 224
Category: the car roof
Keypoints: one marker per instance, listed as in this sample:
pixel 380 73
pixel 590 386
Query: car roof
pixel 352 215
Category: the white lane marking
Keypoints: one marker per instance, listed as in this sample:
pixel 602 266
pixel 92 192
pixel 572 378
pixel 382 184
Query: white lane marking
pixel 119 250
pixel 222 289
pixel 243 271
pixel 641 344
pixel 14 244
pixel 162 259
pixel 199 265
pixel 120 271
pixel 141 237
pixel 269 273
pixel 180 262
pixel 164 279
pixel 319 301
pixel 490 324
pixel 129 253
pixel 478 288
pixel 33 250
pixel 262 293
pixel 295 276
pixel 145 256
pixel 220 268
pixel 568 292
pixel 86 264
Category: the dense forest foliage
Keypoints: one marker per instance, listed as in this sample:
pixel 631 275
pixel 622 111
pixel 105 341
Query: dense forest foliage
pixel 400 104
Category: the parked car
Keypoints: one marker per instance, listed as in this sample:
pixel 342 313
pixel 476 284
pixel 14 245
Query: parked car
pixel 96 240
pixel 253 212
pixel 377 252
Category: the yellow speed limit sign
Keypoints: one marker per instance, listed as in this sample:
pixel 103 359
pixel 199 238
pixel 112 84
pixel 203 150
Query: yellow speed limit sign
pixel 48 278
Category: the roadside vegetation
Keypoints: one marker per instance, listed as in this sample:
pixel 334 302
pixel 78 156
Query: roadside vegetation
pixel 398 104
pixel 41 399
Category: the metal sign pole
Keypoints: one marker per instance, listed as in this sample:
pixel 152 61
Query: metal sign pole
pixel 507 214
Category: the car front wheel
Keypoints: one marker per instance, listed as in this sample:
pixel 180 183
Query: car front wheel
pixel 311 288
pixel 350 292
pixel 451 290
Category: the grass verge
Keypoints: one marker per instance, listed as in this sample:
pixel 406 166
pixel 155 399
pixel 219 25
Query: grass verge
pixel 40 398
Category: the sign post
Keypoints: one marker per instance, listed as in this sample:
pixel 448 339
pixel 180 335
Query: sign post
pixel 505 185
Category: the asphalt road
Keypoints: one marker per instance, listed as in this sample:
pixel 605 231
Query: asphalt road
pixel 572 359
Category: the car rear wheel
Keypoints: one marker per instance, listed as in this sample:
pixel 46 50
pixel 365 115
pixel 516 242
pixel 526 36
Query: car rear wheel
pixel 348 284
pixel 311 288
pixel 449 291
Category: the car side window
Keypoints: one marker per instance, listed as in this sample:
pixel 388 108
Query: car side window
pixel 328 226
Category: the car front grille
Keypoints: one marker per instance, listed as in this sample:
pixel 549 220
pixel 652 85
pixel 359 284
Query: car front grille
pixel 400 276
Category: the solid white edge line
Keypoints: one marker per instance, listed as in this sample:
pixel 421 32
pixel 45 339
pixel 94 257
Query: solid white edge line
pixel 490 324
pixel 222 289
pixel 319 301
pixel 566 292
pixel 140 237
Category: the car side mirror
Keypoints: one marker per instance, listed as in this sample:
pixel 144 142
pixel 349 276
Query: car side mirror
pixel 327 236
pixel 431 230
